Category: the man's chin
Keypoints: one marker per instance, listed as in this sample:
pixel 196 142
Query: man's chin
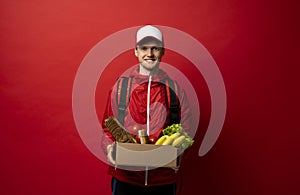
pixel 151 64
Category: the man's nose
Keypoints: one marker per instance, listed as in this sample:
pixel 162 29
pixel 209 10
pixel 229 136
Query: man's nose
pixel 149 52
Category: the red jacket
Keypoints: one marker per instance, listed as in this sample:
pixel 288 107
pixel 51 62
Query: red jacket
pixel 136 119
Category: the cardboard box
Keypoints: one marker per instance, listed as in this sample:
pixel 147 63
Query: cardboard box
pixel 142 155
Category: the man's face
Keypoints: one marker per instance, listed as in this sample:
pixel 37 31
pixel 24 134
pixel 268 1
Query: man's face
pixel 149 54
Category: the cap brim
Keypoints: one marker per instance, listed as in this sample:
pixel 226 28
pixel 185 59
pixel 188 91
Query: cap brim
pixel 148 39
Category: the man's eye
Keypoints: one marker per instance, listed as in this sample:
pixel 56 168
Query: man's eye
pixel 155 49
pixel 144 48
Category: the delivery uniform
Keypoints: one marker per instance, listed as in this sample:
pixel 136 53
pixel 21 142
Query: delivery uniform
pixel 137 113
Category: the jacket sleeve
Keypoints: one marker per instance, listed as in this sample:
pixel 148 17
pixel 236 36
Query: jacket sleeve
pixel 186 114
pixel 186 118
pixel 107 137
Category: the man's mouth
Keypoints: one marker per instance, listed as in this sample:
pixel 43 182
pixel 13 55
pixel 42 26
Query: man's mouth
pixel 149 60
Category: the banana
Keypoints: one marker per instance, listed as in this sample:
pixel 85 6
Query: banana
pixel 161 140
pixel 171 138
pixel 178 141
pixel 175 135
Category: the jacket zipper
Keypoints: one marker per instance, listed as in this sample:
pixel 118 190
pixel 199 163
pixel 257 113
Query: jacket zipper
pixel 148 105
pixel 148 122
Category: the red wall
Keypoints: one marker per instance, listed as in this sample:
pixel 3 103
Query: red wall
pixel 255 44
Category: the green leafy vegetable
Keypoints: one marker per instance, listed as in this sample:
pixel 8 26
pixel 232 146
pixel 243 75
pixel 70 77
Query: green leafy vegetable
pixel 169 130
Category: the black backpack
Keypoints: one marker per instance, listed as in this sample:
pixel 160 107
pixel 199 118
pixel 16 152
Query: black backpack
pixel 171 87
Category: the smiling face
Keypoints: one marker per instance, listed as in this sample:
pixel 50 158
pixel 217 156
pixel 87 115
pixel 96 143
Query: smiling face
pixel 149 53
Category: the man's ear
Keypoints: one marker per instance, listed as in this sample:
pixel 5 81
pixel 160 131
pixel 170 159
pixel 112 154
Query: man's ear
pixel 163 52
pixel 135 52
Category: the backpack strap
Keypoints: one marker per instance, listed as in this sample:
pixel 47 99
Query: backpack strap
pixel 123 96
pixel 172 94
pixel 172 101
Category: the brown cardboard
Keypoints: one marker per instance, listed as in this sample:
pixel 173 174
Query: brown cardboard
pixel 150 155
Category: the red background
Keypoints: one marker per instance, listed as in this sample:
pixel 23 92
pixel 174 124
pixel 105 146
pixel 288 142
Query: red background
pixel 255 44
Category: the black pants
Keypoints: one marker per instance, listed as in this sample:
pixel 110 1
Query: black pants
pixel 122 188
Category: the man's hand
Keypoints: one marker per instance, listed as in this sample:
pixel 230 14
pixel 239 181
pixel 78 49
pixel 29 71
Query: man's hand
pixel 111 154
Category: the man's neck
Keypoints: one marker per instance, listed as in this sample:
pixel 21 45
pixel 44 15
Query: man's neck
pixel 144 71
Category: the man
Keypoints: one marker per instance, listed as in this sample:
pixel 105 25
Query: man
pixel 147 109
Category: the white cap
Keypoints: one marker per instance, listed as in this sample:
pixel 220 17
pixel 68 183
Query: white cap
pixel 149 31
